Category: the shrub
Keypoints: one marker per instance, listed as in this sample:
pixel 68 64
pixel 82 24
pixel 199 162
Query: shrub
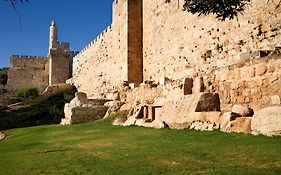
pixel 14 101
pixel 27 92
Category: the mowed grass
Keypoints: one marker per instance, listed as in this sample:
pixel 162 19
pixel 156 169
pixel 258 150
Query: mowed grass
pixel 100 148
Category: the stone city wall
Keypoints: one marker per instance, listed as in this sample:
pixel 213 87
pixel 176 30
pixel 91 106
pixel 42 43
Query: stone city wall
pixel 102 65
pixel 28 71
pixel 255 82
pixel 178 44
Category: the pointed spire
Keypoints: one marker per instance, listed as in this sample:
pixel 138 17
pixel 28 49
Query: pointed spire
pixel 53 23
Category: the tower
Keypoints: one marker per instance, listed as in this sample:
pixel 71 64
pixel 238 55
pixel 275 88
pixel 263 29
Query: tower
pixel 53 36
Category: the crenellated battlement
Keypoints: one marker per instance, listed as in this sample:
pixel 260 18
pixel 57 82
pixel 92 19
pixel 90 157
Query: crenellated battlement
pixel 104 33
pixel 27 57
pixel 64 45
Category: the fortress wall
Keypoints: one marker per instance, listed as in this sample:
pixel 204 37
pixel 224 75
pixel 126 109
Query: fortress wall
pixel 28 71
pixel 255 82
pixel 28 62
pixel 101 66
pixel 179 44
pixel 61 65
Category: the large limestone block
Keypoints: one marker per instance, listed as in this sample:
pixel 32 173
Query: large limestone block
pixel 113 107
pixel 239 125
pixel 206 116
pixel 81 98
pixel 242 110
pixel 208 102
pixel 267 121
pixel 130 121
pixel 157 124
pixel 2 136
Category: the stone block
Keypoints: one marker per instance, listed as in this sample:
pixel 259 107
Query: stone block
pixel 242 110
pixel 198 85
pixel 113 107
pixel 267 121
pixel 187 86
pixel 208 102
pixel 119 121
pixel 2 136
pixel 240 125
pixel 206 116
pixel 130 121
pixel 81 98
pixel 275 100
pixel 261 69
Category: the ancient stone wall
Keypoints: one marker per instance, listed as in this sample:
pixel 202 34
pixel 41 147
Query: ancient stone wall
pixel 102 65
pixel 28 71
pixel 178 44
pixel 255 82
pixel 61 62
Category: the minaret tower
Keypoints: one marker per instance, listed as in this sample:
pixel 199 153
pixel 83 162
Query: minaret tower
pixel 53 36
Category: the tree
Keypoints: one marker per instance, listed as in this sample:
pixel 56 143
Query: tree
pixel 223 9
pixel 14 2
pixel 3 76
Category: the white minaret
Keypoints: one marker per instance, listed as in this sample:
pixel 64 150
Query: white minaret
pixel 53 36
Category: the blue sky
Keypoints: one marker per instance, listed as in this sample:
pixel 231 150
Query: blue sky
pixel 78 21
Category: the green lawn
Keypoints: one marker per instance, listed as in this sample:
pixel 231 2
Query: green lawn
pixel 100 148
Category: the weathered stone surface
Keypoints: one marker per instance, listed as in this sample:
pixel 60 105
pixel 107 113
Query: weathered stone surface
pixel 205 116
pixel 81 109
pixel 275 100
pixel 130 121
pixel 184 125
pixel 81 98
pixel 267 121
pixel 113 107
pixel 225 120
pixel 119 121
pixel 198 85
pixel 2 136
pixel 261 69
pixel 240 110
pixel 208 102
pixel 158 124
pixel 239 125
pixel 116 96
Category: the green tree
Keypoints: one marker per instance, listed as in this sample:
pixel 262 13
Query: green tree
pixel 223 9
pixel 3 76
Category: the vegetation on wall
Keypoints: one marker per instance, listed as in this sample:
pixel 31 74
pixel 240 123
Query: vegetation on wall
pixel 3 76
pixel 27 92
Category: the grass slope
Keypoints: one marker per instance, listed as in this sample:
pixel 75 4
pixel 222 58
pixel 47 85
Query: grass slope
pixel 100 148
